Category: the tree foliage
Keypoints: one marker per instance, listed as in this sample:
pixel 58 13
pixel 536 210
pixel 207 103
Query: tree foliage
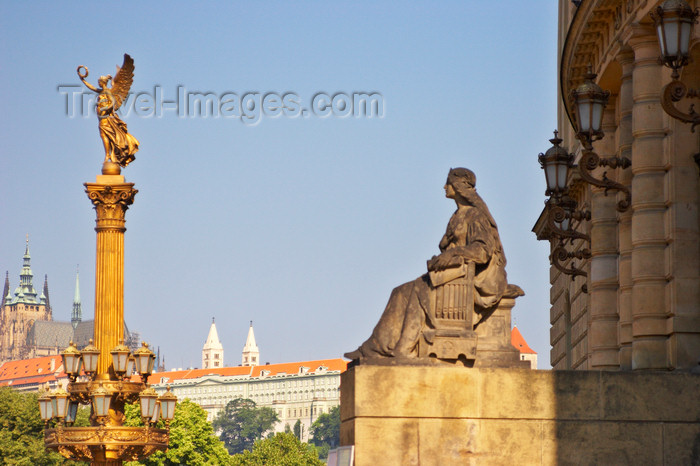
pixel 22 431
pixel 282 449
pixel 326 428
pixel 297 429
pixel 192 438
pixel 241 423
pixel 325 431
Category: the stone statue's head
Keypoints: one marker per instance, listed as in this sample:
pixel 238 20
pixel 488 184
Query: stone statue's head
pixel 462 180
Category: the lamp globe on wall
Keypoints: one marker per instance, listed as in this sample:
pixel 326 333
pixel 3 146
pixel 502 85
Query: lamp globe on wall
pixel 589 101
pixel 674 20
pixel 556 163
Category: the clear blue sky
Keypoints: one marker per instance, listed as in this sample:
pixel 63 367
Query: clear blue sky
pixel 302 224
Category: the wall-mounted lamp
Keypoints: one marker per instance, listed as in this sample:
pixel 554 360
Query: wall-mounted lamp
pixel 674 20
pixel 589 102
pixel 560 208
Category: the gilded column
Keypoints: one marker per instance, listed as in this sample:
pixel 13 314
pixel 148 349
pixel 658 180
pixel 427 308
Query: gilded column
pixel 649 265
pixel 111 197
pixel 624 149
pixel 603 336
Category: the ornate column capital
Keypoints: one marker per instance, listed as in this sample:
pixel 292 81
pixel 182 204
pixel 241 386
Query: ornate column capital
pixel 111 202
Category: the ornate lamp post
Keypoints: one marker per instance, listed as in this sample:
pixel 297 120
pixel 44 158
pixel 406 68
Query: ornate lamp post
pixel 561 209
pixel 674 20
pixel 106 386
pixel 589 101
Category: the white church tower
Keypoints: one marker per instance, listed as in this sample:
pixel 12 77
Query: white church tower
pixel 251 354
pixel 213 351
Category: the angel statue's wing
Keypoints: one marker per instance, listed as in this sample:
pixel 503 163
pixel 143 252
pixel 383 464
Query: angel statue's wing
pixel 122 81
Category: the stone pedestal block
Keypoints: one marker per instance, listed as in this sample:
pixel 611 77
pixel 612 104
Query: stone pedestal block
pixel 408 415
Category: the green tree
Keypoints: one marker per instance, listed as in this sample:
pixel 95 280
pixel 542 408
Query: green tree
pixel 22 431
pixel 325 431
pixel 297 429
pixel 192 438
pixel 282 449
pixel 241 423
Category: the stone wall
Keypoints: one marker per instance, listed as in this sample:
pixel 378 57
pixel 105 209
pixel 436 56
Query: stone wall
pixel 451 415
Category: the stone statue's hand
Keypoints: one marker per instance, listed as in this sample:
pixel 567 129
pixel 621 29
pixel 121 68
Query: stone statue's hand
pixel 431 263
pixel 444 261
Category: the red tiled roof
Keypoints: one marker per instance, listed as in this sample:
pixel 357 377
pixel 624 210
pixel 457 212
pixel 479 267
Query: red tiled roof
pixel 31 371
pixel 252 371
pixel 196 373
pixel 294 367
pixel 517 340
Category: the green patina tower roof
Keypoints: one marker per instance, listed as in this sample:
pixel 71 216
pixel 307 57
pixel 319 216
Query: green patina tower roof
pixel 25 292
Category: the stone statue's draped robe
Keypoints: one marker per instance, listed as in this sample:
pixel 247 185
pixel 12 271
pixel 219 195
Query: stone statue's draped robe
pixel 472 236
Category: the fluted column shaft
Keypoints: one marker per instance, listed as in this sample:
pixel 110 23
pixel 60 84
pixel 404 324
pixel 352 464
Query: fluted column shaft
pixel 111 198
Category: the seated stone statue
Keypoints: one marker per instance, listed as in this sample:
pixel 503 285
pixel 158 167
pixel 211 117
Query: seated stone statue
pixel 466 279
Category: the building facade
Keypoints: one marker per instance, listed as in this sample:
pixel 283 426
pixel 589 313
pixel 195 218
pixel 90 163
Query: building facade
pixel 626 294
pixel 33 374
pixel 297 391
pixel 27 328
pixel 20 310
pixel 526 353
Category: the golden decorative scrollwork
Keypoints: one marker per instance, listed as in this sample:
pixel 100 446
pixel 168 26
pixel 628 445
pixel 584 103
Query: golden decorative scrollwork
pixel 111 203
pixel 83 443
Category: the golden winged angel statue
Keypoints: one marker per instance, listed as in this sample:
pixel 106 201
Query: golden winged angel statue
pixel 120 146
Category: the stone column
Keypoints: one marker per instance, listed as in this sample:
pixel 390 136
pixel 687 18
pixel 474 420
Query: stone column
pixel 111 197
pixel 602 334
pixel 649 267
pixel 624 149
pixel 684 230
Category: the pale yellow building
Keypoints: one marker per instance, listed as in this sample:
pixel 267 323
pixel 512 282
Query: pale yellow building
pixel 636 304
pixel 297 391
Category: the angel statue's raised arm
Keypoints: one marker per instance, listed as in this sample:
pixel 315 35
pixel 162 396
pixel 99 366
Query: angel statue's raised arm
pixel 120 146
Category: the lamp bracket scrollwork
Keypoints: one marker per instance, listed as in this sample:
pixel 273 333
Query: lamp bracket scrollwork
pixel 561 255
pixel 590 161
pixel 558 214
pixel 674 92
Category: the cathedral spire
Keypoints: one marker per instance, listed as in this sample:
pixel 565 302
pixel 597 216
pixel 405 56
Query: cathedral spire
pixel 6 291
pixel 45 293
pixel 251 353
pixel 77 314
pixel 26 286
pixel 213 350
